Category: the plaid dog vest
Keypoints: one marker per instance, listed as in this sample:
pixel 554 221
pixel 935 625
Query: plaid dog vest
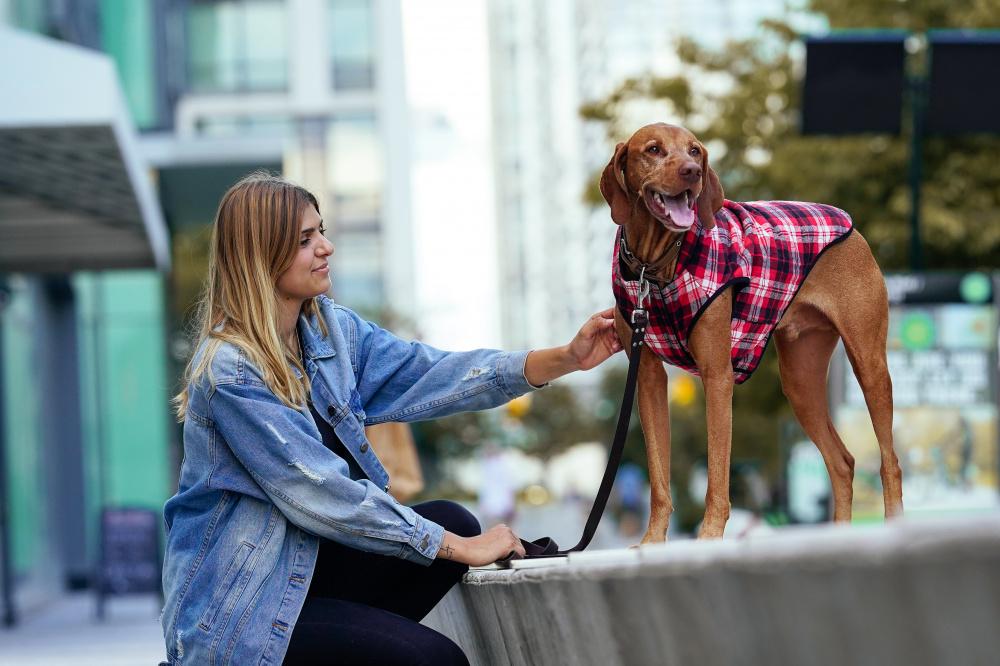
pixel 764 249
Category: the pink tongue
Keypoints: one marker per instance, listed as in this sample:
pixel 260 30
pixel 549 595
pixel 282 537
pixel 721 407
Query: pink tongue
pixel 680 214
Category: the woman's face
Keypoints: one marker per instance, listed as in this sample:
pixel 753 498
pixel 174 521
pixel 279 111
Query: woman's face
pixel 309 274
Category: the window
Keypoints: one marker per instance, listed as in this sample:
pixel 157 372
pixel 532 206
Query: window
pixel 352 37
pixel 235 45
pixel 355 172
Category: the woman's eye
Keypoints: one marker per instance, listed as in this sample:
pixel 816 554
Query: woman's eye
pixel 655 150
pixel 304 242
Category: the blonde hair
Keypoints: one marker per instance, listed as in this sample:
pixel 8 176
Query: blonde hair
pixel 254 240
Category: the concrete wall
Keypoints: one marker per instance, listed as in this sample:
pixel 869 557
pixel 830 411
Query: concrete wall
pixel 911 592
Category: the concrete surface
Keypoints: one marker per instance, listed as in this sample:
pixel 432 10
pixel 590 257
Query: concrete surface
pixel 67 633
pixel 910 592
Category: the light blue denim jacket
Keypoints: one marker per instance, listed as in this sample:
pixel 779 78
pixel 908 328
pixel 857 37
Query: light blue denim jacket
pixel 257 486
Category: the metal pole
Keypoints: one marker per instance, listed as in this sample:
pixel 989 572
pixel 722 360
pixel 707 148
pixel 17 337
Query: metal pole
pixel 97 305
pixel 6 569
pixel 918 86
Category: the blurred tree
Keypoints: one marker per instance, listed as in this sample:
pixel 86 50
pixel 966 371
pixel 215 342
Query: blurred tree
pixel 743 102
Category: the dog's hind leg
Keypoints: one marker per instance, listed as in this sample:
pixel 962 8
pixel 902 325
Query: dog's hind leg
pixel 803 361
pixel 864 335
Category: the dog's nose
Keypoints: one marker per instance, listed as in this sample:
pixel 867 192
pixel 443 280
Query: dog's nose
pixel 690 171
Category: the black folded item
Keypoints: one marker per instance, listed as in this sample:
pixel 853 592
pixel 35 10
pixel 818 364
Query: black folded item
pixel 544 547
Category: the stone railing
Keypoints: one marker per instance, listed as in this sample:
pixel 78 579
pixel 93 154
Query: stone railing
pixel 911 592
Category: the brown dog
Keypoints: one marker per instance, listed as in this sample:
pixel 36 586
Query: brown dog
pixel 653 183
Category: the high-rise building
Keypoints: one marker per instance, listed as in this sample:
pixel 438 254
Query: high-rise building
pixel 547 60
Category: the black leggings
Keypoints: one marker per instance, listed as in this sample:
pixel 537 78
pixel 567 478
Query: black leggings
pixel 364 608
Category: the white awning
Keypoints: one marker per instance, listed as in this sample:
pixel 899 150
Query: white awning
pixel 74 192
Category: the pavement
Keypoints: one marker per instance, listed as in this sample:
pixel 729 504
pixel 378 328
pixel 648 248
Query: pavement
pixel 67 632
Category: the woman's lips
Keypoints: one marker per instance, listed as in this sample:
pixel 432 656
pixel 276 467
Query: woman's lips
pixel 322 269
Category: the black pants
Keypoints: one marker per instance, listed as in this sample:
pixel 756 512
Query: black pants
pixel 364 608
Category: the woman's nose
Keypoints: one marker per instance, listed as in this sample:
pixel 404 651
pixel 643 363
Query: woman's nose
pixel 326 247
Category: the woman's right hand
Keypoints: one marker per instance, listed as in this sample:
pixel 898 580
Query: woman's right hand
pixel 494 544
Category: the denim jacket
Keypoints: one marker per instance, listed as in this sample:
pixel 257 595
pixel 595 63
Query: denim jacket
pixel 257 487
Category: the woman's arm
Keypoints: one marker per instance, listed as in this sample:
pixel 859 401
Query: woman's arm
pixel 410 381
pixel 594 343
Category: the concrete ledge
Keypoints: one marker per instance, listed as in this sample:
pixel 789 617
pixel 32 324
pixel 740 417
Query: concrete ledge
pixel 911 592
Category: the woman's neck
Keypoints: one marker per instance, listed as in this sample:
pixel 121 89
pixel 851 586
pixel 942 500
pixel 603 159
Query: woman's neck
pixel 288 316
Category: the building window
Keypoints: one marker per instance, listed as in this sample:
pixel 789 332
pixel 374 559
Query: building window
pixel 352 44
pixel 355 167
pixel 237 46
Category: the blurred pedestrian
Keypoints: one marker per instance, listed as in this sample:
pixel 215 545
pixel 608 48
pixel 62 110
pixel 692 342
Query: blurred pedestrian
pixel 629 499
pixel 282 541
pixel 497 494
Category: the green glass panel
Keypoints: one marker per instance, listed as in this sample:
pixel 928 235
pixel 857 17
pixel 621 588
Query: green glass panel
pixel 237 46
pixel 23 434
pixel 124 388
pixel 127 36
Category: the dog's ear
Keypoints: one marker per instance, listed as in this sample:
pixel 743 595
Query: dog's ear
pixel 711 197
pixel 613 185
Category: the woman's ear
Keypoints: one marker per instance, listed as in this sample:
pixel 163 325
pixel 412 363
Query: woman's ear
pixel 711 198
pixel 613 185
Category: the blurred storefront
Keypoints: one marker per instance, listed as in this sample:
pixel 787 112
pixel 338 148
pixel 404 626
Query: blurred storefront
pixel 83 390
pixel 216 89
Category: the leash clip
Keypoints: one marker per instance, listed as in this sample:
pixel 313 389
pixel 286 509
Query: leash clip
pixel 639 313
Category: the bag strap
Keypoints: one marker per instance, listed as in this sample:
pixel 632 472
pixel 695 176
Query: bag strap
pixel 546 547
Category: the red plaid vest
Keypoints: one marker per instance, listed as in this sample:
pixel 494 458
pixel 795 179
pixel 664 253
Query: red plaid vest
pixel 764 249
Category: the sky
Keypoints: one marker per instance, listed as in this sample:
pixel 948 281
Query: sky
pixel 446 52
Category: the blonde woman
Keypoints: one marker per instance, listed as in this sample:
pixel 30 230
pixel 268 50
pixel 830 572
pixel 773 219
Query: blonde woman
pixel 282 542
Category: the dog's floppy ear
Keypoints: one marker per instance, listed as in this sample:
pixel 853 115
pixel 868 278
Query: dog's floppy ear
pixel 613 185
pixel 711 197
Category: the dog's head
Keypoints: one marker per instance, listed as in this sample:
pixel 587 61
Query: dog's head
pixel 666 168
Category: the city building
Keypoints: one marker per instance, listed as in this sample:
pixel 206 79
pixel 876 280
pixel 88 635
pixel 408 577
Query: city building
pixel 547 60
pixel 216 89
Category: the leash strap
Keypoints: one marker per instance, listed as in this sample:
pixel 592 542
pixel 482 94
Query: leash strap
pixel 546 547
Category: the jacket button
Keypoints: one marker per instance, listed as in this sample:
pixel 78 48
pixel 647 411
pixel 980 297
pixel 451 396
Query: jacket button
pixel 364 447
pixel 331 411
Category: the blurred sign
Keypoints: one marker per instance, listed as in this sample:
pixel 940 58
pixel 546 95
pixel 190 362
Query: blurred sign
pixel 853 83
pixel 959 100
pixel 130 553
pixel 942 355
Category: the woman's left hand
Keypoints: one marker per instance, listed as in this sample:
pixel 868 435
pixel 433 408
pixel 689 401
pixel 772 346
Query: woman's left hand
pixel 596 341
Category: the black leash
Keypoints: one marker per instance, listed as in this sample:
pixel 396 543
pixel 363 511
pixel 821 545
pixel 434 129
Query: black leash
pixel 546 547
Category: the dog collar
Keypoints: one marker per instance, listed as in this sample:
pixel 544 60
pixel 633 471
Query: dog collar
pixel 638 267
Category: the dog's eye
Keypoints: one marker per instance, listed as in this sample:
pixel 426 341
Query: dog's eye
pixel 653 150
pixel 694 152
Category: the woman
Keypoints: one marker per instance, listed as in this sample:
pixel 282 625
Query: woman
pixel 282 542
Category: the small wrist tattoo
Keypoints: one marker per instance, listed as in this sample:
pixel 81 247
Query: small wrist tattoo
pixel 447 551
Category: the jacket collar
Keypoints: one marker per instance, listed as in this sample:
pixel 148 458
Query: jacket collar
pixel 314 343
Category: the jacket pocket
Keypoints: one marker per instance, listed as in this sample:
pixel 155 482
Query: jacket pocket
pixel 226 587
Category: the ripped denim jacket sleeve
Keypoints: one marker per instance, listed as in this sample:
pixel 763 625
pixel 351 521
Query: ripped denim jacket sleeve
pixel 283 452
pixel 411 381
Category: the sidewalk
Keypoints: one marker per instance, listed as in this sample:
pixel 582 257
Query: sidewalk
pixel 67 632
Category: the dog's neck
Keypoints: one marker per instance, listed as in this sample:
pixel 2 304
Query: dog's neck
pixel 653 245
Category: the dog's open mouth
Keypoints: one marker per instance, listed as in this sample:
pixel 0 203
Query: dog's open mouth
pixel 675 212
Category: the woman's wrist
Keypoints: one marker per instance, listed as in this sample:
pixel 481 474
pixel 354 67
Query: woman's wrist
pixel 543 365
pixel 452 547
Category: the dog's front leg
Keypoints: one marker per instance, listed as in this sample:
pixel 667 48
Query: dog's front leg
pixel 654 416
pixel 711 348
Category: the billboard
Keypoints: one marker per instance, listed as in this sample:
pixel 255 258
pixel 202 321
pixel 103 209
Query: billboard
pixel 942 355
